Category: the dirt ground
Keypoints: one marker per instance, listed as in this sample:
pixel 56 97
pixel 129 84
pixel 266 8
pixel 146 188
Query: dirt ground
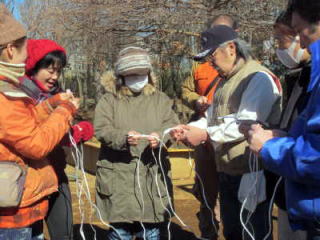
pixel 185 203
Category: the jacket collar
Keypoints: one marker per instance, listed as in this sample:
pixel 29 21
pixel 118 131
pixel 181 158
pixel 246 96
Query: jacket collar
pixel 240 63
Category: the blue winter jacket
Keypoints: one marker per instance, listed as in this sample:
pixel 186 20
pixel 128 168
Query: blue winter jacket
pixel 297 157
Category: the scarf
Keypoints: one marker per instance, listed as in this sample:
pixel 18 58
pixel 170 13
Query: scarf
pixel 12 71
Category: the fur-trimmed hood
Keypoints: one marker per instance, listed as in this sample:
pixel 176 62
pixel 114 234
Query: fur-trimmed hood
pixel 116 86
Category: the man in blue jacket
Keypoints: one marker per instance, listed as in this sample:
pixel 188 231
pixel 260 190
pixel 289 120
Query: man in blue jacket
pixel 296 155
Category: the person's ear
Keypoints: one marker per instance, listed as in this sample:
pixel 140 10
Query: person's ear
pixel 232 49
pixel 10 49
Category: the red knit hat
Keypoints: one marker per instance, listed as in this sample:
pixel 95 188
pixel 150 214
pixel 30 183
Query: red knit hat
pixel 38 49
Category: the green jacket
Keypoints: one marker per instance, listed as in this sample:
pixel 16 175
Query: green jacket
pixel 189 93
pixel 118 194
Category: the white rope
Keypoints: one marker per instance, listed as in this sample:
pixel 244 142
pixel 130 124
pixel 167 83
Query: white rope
pixel 167 131
pixel 253 166
pixel 79 187
pixel 157 184
pixel 160 196
pixel 141 193
pixel 271 207
pixel 162 144
pixel 87 190
pixel 78 160
pixel 165 181
pixel 204 195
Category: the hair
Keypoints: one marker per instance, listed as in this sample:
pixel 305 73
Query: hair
pixel 55 58
pixel 17 43
pixel 232 21
pixel 243 49
pixel 309 10
pixel 283 18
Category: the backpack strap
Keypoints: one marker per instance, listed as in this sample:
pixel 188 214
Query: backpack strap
pixel 213 83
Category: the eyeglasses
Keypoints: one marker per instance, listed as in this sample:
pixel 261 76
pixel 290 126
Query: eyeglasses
pixel 220 46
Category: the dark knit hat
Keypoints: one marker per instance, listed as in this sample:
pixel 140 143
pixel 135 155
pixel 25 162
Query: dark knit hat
pixel 10 28
pixel 133 60
pixel 38 49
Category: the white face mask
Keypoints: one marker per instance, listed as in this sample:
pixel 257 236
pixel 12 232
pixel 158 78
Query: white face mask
pixel 287 58
pixel 136 83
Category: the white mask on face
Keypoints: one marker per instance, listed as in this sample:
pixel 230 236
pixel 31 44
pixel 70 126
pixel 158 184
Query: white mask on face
pixel 136 82
pixel 286 56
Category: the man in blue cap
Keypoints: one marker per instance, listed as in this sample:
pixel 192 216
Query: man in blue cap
pixel 197 92
pixel 248 91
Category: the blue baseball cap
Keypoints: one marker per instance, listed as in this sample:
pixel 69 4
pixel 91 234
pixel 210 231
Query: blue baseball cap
pixel 212 38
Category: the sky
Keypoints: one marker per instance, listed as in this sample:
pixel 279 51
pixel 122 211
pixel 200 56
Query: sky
pixel 16 9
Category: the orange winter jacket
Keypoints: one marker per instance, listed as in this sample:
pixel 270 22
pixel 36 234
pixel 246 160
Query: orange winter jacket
pixel 198 82
pixel 27 134
pixel 203 76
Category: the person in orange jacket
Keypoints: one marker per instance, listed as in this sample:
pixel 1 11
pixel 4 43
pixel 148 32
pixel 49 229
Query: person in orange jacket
pixel 198 92
pixel 45 62
pixel 27 134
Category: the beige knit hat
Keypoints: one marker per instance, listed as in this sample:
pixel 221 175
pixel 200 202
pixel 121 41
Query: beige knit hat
pixel 133 60
pixel 10 29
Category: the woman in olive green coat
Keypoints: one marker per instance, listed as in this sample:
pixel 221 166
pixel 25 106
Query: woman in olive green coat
pixel 131 188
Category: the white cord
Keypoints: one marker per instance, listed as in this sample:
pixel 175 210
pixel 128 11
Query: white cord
pixel 78 159
pixel 162 170
pixel 167 131
pixel 241 219
pixel 253 166
pixel 157 184
pixel 160 196
pixel 87 190
pixel 166 184
pixel 204 195
pixel 271 207
pixel 162 144
pixel 141 193
pixel 79 187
